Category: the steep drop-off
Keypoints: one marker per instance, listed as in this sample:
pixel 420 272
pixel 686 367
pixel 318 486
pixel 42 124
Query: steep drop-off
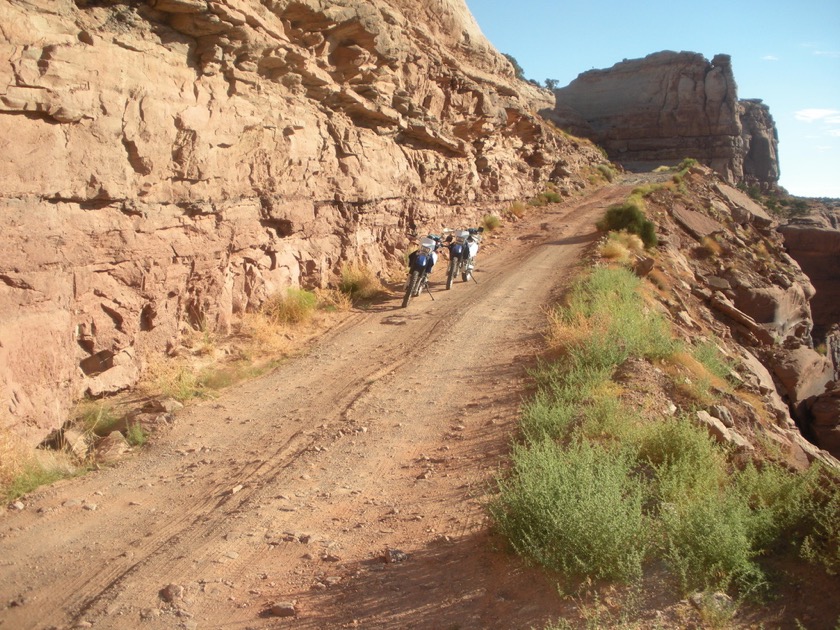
pixel 170 163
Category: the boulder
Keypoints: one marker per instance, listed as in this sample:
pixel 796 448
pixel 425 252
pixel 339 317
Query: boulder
pixel 744 210
pixel 802 373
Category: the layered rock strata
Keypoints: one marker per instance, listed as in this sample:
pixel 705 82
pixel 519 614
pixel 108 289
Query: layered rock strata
pixel 669 106
pixel 170 163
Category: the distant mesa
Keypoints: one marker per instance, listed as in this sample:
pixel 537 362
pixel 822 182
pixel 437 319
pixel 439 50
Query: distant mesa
pixel 669 106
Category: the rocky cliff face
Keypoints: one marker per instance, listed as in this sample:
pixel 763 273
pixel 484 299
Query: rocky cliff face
pixel 814 241
pixel 669 106
pixel 729 271
pixel 171 163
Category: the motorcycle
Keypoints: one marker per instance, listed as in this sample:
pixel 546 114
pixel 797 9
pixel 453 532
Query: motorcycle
pixel 462 251
pixel 420 265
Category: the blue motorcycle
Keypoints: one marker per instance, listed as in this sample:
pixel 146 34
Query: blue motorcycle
pixel 463 246
pixel 420 265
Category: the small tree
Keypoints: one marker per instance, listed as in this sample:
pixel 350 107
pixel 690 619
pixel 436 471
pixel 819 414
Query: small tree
pixel 517 69
pixel 551 84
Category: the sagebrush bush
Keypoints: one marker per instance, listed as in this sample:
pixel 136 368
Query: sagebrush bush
pixel 707 543
pixel 629 217
pixel 577 510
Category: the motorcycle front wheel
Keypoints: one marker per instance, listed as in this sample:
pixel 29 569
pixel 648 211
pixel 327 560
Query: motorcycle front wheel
pixel 451 272
pixel 413 282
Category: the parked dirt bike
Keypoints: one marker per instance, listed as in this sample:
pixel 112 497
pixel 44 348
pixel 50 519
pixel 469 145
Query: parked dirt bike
pixel 462 251
pixel 420 265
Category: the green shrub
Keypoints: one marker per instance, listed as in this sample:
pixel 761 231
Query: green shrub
pixel 491 222
pixel 685 461
pixel 293 307
pixel 780 500
pixel 686 165
pixel 607 171
pixel 630 217
pixel 576 510
pixel 589 463
pixel 136 435
pixel 707 543
pixel 821 543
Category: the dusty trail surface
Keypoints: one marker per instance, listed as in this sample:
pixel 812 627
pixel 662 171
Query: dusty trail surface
pixel 378 444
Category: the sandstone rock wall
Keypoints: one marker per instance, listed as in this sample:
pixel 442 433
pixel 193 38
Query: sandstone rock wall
pixel 738 279
pixel 669 106
pixel 814 241
pixel 171 163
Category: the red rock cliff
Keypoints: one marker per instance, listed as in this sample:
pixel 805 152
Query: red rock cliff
pixel 670 106
pixel 171 163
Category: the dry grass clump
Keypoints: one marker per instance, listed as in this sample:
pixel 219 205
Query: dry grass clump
pixel 566 331
pixel 14 457
pixel 621 247
pixel 292 307
pixel 172 378
pixel 693 379
pixel 359 282
pixel 517 209
pixel 711 248
pixel 22 469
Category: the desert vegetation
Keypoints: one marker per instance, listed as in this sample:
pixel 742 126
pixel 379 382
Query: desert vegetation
pixel 630 217
pixel 601 489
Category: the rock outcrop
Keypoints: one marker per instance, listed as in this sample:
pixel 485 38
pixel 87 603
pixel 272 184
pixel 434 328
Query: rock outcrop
pixel 170 163
pixel 727 262
pixel 814 242
pixel 669 106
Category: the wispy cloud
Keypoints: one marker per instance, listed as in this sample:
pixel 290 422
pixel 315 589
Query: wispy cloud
pixel 769 58
pixel 830 116
pixel 818 51
pixel 827 121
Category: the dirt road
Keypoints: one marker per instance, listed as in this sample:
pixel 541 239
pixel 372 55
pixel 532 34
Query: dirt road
pixel 349 482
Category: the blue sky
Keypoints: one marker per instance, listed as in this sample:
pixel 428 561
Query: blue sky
pixel 786 53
